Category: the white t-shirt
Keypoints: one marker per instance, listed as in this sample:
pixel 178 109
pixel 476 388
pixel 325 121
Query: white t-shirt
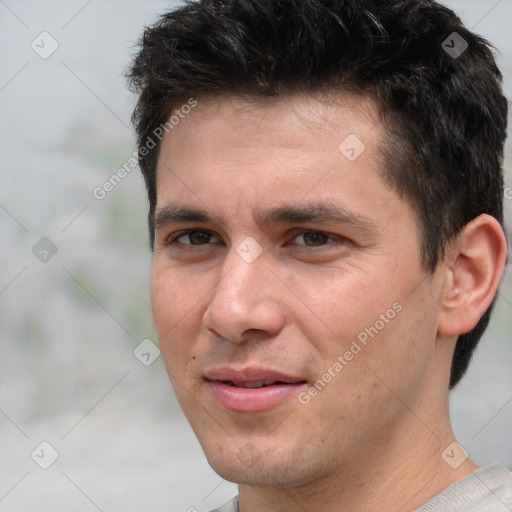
pixel 488 489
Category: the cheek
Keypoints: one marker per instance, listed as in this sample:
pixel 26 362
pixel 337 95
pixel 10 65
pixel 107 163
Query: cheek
pixel 369 317
pixel 388 351
pixel 177 316
pixel 343 303
pixel 176 306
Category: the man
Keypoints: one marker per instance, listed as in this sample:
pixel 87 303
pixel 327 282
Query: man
pixel 325 188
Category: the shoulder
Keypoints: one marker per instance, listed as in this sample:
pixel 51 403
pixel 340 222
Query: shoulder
pixel 488 489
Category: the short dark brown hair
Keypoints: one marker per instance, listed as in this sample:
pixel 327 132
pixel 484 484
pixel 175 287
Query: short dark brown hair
pixel 436 83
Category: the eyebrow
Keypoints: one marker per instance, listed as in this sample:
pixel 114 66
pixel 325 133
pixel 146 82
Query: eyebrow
pixel 172 214
pixel 312 212
pixel 315 212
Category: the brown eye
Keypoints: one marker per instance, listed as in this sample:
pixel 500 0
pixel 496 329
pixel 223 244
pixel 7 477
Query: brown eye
pixel 194 238
pixel 198 237
pixel 312 238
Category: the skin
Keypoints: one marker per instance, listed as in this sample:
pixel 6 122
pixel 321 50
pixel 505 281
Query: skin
pixel 372 439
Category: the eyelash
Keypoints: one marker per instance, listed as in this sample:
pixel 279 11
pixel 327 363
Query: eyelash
pixel 174 238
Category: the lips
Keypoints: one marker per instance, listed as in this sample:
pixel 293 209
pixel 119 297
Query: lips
pixel 250 374
pixel 251 389
pixel 253 384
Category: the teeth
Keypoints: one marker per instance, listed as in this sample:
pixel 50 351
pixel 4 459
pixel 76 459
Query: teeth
pixel 255 384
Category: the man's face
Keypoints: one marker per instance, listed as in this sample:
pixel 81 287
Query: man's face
pixel 283 257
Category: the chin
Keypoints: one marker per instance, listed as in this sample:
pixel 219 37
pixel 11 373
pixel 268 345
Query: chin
pixel 260 471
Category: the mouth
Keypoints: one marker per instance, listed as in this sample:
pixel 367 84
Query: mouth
pixel 252 389
pixel 255 384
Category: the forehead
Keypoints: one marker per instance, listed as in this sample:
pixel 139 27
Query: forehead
pixel 294 120
pixel 232 152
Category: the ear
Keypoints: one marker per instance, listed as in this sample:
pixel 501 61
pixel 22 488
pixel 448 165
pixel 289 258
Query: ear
pixel 473 267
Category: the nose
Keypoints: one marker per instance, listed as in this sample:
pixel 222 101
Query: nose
pixel 245 301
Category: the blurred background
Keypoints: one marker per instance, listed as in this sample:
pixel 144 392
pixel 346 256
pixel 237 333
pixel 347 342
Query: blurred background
pixel 74 303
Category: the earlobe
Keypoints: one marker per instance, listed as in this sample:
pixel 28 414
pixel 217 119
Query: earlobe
pixel 474 266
